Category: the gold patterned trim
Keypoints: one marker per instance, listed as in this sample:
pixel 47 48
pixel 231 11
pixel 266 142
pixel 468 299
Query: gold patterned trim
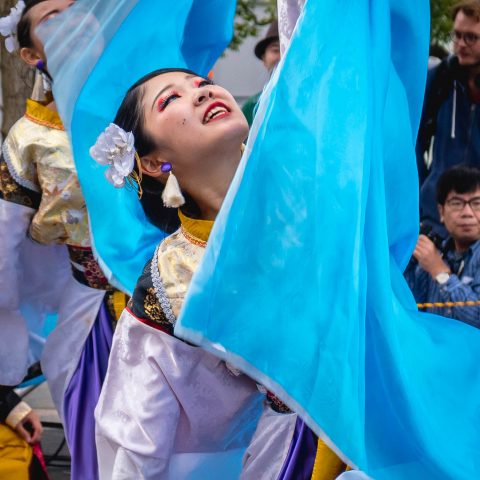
pixel 193 239
pixel 38 113
pixel 194 230
pixel 17 414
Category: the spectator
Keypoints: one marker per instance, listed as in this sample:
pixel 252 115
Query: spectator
pixel 452 274
pixel 268 51
pixel 20 429
pixel 450 127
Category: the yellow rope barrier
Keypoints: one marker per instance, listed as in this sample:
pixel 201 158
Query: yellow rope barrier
pixel 449 304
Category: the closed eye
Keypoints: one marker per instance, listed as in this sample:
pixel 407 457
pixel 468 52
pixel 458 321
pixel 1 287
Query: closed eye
pixel 49 15
pixel 165 101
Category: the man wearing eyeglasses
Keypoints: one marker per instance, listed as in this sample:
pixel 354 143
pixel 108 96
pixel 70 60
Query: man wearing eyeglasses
pixel 452 274
pixel 450 128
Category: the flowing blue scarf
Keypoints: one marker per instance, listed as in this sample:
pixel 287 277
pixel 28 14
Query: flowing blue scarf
pixel 302 282
pixel 302 285
pixel 97 49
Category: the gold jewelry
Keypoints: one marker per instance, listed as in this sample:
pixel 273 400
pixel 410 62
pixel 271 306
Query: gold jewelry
pixel 135 178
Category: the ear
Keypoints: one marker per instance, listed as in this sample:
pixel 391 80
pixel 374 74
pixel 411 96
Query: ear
pixel 152 165
pixel 440 212
pixel 30 56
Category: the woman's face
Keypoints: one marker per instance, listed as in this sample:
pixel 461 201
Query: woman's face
pixel 38 14
pixel 191 121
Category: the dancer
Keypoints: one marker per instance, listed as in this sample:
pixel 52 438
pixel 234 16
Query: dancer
pixel 192 413
pixel 41 199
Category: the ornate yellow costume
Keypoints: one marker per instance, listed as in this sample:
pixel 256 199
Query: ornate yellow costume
pixel 37 154
pixel 45 224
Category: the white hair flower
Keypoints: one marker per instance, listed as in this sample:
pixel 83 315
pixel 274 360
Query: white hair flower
pixel 8 26
pixel 115 148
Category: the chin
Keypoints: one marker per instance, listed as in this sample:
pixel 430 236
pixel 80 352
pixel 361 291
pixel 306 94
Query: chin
pixel 234 129
pixel 467 61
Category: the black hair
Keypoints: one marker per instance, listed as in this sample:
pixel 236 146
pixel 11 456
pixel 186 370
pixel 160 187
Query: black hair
pixel 460 179
pixel 130 117
pixel 24 36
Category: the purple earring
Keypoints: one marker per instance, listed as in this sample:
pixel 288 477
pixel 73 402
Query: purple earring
pixel 166 167
pixel 40 65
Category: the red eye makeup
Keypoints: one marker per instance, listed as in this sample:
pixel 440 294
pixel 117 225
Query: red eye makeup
pixel 163 102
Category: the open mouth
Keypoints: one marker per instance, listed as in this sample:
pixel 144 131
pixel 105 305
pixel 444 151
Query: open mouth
pixel 215 111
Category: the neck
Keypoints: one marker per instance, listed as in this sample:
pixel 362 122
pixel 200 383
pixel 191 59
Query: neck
pixel 214 182
pixel 462 246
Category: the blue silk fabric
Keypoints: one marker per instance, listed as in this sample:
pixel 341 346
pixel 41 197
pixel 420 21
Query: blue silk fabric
pixel 97 49
pixel 301 285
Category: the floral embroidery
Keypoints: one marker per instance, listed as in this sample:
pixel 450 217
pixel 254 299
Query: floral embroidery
pixel 152 307
pixel 154 312
pixel 276 404
pixel 12 192
pixel 145 305
pixel 86 269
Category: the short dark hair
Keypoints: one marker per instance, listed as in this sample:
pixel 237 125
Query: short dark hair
pixel 460 179
pixel 24 36
pixel 131 118
pixel 471 8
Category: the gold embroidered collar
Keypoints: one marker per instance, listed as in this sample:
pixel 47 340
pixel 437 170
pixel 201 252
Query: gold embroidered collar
pixel 194 230
pixel 39 113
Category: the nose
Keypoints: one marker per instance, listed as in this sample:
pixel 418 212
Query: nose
pixel 202 95
pixel 467 211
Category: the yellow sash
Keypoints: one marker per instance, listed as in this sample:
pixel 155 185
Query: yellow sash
pixel 15 455
pixel 327 465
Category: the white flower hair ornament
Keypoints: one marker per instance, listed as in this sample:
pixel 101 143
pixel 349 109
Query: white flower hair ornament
pixel 9 24
pixel 115 148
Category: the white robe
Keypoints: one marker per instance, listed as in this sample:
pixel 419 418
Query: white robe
pixel 169 410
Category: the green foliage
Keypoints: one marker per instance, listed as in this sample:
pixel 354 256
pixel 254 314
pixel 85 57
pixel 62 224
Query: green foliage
pixel 252 15
pixel 441 20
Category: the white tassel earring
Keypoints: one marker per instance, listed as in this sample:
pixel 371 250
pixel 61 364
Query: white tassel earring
pixel 172 195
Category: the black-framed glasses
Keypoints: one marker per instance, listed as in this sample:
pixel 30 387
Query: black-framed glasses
pixel 458 204
pixel 468 37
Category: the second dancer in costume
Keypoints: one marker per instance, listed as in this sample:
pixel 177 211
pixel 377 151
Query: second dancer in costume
pixel 40 198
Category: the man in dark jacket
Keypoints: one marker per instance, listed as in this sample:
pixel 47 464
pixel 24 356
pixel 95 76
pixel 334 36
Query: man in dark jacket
pixel 450 128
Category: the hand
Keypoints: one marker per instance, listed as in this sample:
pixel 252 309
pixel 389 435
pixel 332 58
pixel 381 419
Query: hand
pixel 30 428
pixel 429 257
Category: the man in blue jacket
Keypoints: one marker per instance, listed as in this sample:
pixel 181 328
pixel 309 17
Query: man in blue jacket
pixel 451 273
pixel 450 128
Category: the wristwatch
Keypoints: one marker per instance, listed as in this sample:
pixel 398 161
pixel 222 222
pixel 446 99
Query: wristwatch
pixel 442 278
